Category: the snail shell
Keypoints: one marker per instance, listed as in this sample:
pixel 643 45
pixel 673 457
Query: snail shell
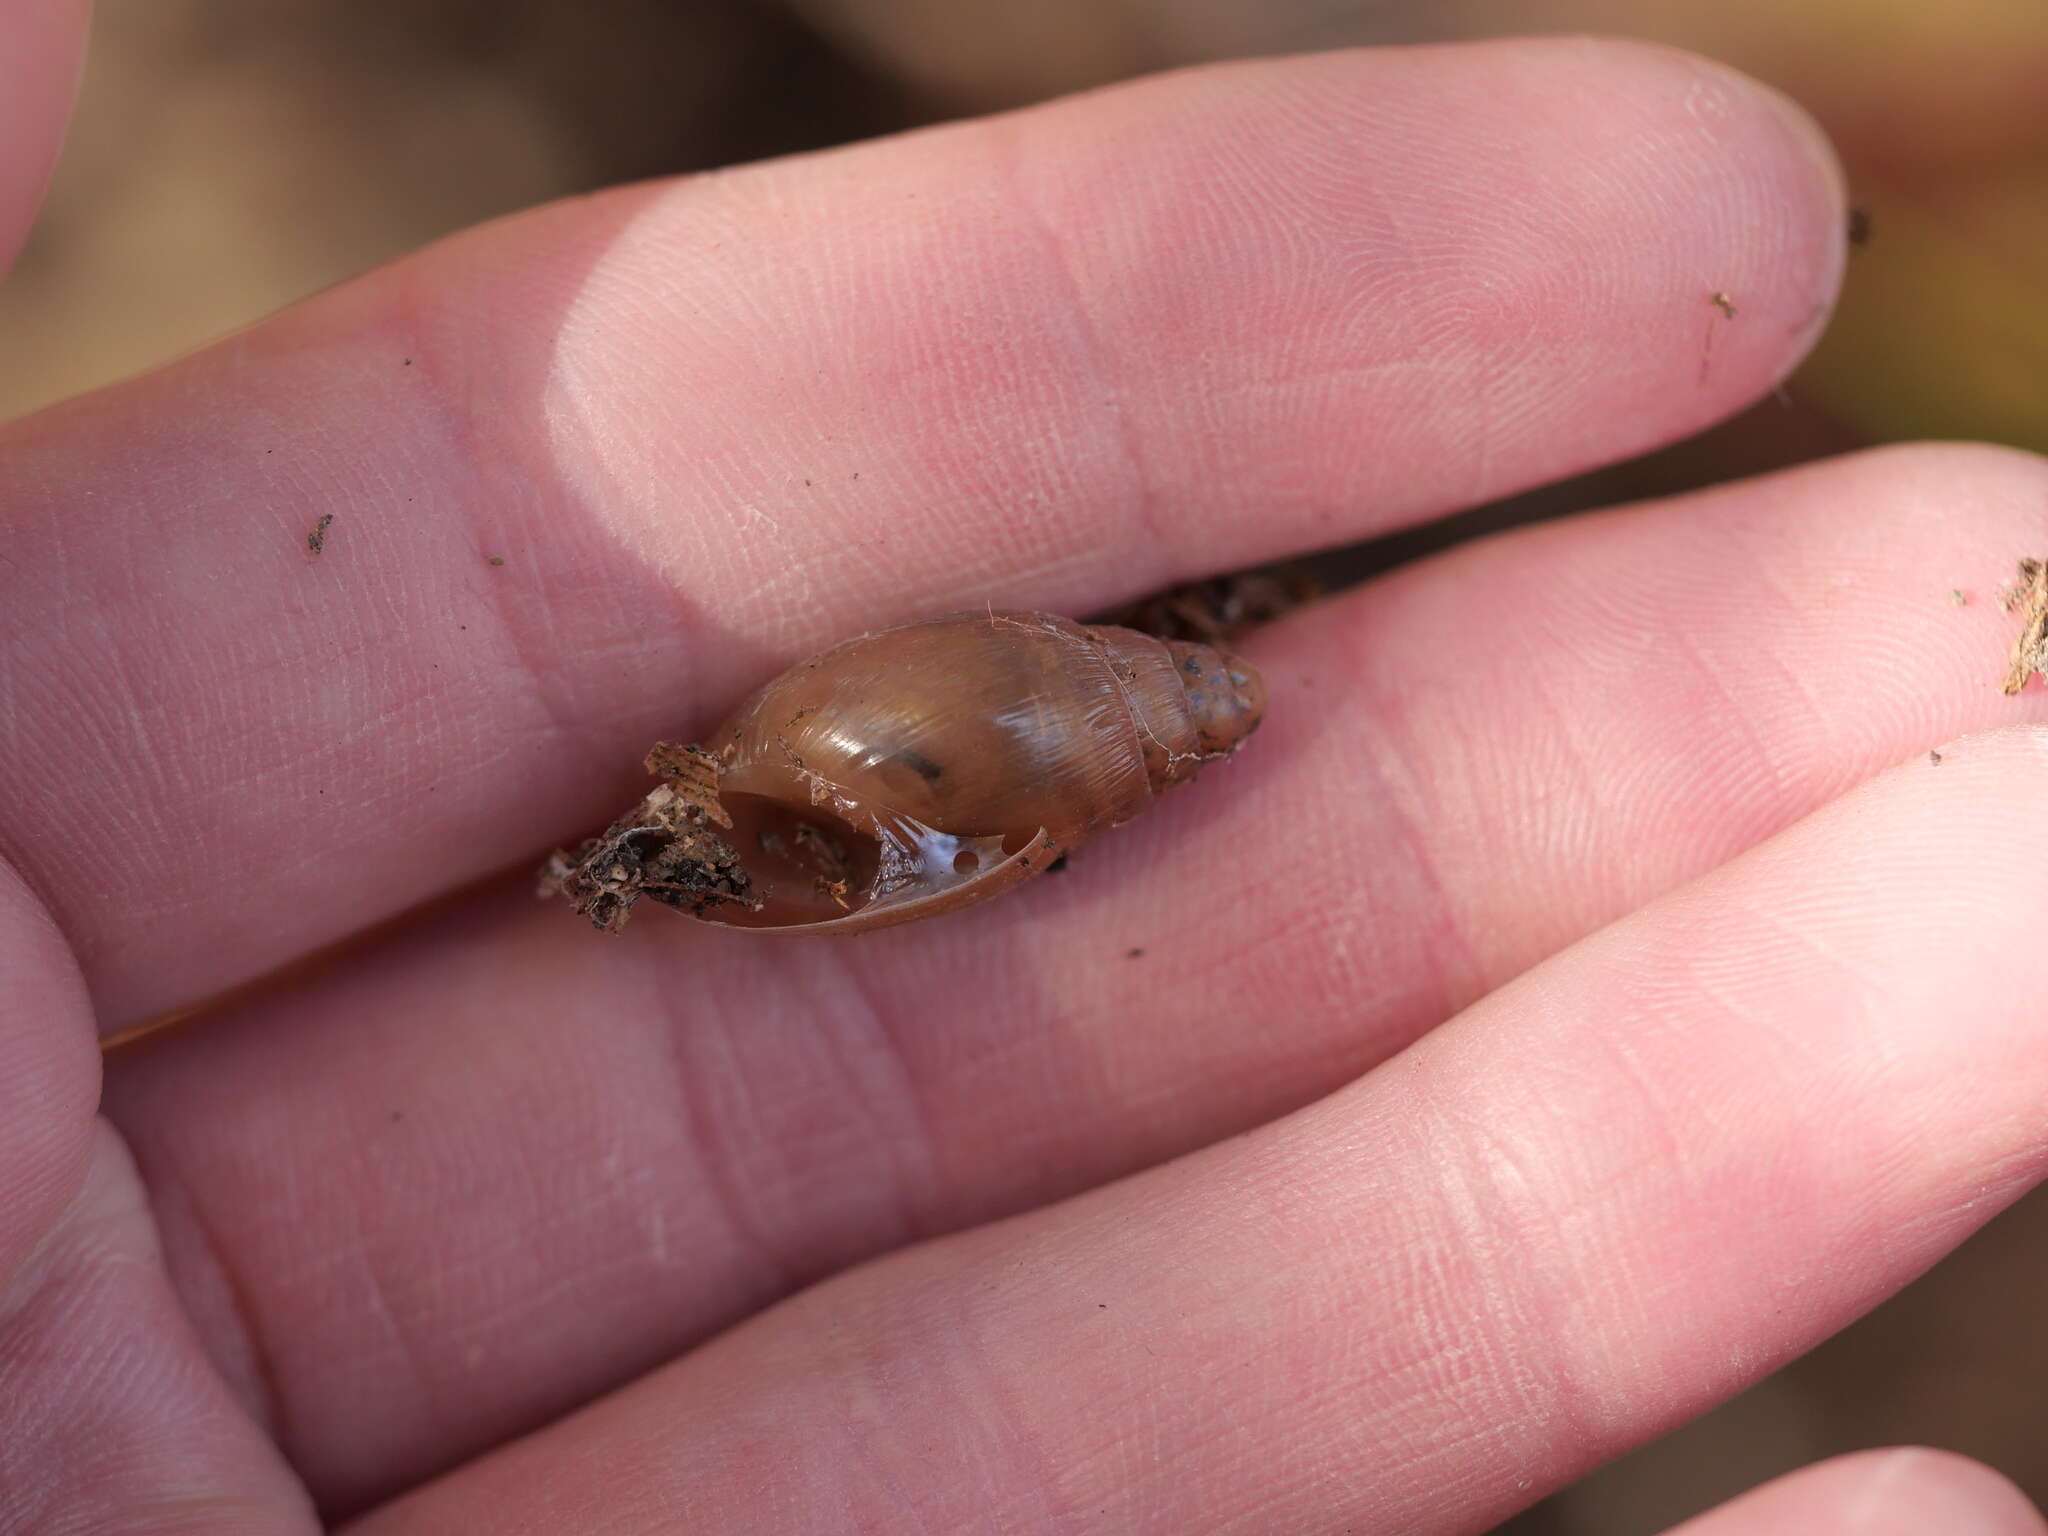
pixel 918 769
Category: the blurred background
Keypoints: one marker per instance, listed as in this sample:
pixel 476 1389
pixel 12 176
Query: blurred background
pixel 230 156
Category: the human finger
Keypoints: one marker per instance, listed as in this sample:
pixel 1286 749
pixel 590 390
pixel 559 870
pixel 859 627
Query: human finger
pixel 394 590
pixel 42 49
pixel 112 1418
pixel 1612 1193
pixel 1903 1492
pixel 1468 766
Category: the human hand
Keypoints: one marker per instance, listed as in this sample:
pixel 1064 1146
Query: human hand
pixel 1562 1014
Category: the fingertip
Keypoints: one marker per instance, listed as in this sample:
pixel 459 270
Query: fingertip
pixel 1921 1488
pixel 1902 1490
pixel 1898 1491
pixel 1796 152
pixel 1495 256
pixel 42 50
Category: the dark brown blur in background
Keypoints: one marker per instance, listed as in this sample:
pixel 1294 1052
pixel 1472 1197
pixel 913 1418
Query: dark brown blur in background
pixel 229 157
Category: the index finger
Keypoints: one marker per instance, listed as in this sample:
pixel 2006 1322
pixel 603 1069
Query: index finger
pixel 393 590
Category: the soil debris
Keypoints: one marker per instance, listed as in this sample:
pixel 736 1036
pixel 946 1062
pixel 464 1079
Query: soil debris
pixel 2029 597
pixel 317 539
pixel 667 848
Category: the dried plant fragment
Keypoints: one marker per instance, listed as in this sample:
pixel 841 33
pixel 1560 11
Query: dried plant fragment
pixel 1221 610
pixel 1726 306
pixel 2029 596
pixel 665 848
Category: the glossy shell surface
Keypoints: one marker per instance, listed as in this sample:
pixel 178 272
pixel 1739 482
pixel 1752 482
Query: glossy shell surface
pixel 917 769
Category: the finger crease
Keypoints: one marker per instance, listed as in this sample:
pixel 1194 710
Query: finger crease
pixel 1141 500
pixel 245 1358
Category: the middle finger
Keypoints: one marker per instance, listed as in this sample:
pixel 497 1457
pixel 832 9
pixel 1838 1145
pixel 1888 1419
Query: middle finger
pixel 603 1151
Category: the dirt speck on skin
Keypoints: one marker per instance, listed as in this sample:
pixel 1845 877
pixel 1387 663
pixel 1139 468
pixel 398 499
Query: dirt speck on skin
pixel 1959 597
pixel 497 559
pixel 1859 226
pixel 2029 597
pixel 1934 759
pixel 317 539
pixel 1726 306
pixel 667 847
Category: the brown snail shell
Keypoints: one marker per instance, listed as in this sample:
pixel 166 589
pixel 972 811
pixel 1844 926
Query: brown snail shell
pixel 918 769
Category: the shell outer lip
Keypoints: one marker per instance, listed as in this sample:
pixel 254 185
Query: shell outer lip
pixel 1014 870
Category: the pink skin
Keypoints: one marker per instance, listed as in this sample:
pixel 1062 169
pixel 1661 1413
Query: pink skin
pixel 1053 356
pixel 1739 1046
pixel 42 46
pixel 1877 1493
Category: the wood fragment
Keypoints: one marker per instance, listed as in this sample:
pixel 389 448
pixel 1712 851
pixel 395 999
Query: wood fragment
pixel 2029 597
pixel 693 774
